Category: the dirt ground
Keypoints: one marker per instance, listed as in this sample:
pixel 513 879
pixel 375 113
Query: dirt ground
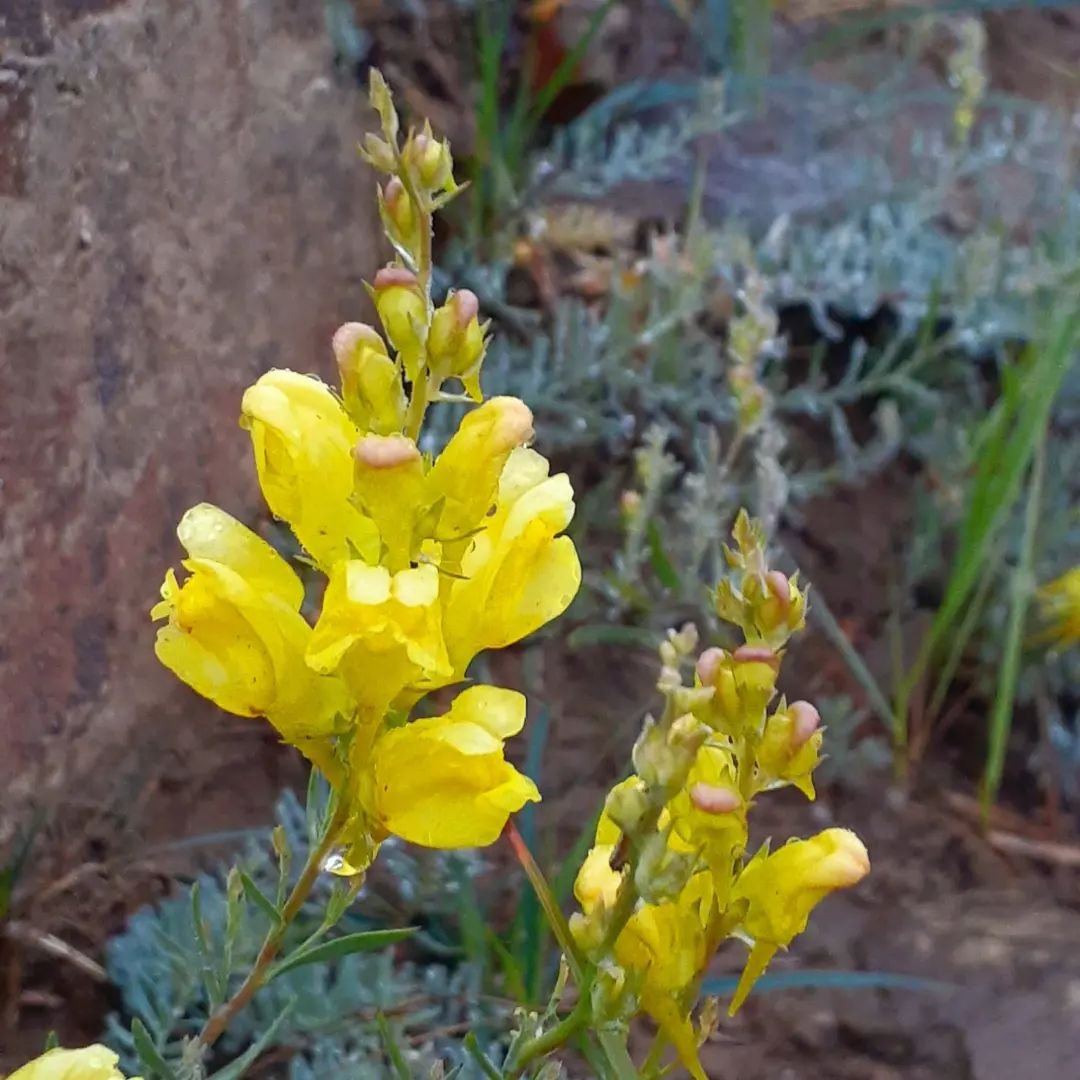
pixel 995 921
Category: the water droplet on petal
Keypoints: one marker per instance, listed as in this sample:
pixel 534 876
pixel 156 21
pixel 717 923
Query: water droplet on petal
pixel 338 865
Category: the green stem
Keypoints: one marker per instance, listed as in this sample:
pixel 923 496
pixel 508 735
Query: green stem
pixel 216 1025
pixel 552 1039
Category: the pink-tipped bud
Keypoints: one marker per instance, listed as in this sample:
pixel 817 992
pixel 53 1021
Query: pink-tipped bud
pixel 348 338
pixel 756 654
pixel 709 664
pixel 780 587
pixel 711 799
pixel 390 276
pixel 805 721
pixel 385 451
pixel 456 340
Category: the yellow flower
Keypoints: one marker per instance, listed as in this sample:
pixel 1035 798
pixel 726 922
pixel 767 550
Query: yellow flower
pixel 94 1062
pixel 1060 604
pixel 235 633
pixel 663 946
pixel 381 630
pixel 518 573
pixel 303 443
pixel 779 891
pixel 443 782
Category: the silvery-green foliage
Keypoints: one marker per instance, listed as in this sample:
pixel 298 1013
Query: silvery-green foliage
pixel 170 975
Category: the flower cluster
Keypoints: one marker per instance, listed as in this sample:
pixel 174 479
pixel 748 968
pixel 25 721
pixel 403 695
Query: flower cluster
pixel 428 561
pixel 669 878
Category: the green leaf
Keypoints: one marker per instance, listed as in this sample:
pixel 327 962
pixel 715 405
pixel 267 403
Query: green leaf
pixel 661 564
pixel 478 1055
pixel 197 920
pixel 235 1069
pixel 393 1051
pixel 364 941
pixel 52 1041
pixel 154 1064
pixel 259 898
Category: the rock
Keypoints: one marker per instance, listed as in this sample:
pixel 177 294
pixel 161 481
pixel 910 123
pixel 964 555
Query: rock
pixel 181 208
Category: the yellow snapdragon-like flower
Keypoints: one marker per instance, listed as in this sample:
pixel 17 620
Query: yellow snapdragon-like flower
pixel 94 1062
pixel 382 631
pixel 780 889
pixel 519 572
pixel 443 781
pixel 235 633
pixel 303 442
pixel 1059 601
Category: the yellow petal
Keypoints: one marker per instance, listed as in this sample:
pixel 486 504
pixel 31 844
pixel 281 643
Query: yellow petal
pixel 465 476
pixel 443 781
pixel 678 1029
pixel 207 532
pixel 94 1062
pixel 303 443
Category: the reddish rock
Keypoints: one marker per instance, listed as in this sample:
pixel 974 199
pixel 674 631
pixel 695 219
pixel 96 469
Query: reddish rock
pixel 181 208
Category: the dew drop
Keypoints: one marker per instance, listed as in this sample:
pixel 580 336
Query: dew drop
pixel 339 866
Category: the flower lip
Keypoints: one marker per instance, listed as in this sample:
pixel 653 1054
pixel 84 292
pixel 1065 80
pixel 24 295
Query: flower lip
pixel 806 721
pixel 779 586
pixel 348 336
pixel 709 663
pixel 712 799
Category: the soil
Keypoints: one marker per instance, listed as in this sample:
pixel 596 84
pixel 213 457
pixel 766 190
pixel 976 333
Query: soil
pixel 999 930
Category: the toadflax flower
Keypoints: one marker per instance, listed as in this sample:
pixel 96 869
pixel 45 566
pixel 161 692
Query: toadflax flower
pixel 94 1062
pixel 780 889
pixel 235 633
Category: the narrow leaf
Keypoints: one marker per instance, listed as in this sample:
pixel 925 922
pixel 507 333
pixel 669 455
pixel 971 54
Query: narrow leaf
pixel 259 898
pixel 393 1051
pixel 364 941
pixel 149 1055
pixel 235 1069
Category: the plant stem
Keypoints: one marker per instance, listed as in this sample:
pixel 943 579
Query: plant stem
pixel 551 1039
pixel 222 1017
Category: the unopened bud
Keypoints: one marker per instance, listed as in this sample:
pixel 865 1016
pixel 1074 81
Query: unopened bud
pixel 388 478
pixel 805 721
pixel 709 664
pixel 399 216
pixel 370 382
pixel 385 452
pixel 456 339
pixel 782 610
pixel 400 303
pixel 756 654
pixel 711 799
pixel 630 504
pixel 663 759
pixel 627 804
pixel 432 161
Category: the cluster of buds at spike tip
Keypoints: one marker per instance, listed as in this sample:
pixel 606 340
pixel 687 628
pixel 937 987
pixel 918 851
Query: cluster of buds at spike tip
pixel 664 753
pixel 430 161
pixel 402 309
pixel 767 605
pixel 456 342
pixel 371 386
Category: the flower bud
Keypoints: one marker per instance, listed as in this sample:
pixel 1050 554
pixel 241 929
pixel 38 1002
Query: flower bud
pixel 431 159
pixel 399 217
pixel 627 804
pixel 713 799
pixel 370 382
pixel 378 153
pixel 781 610
pixel 389 480
pixel 630 505
pixel 660 873
pixel 400 303
pixel 456 338
pixel 663 757
pixel 790 748
pixel 709 664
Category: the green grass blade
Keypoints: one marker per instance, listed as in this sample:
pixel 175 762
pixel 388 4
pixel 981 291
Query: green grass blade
pixel 1022 587
pixel 363 941
pixel 393 1051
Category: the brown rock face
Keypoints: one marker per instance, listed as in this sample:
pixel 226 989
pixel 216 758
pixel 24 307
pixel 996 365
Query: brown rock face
pixel 181 208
